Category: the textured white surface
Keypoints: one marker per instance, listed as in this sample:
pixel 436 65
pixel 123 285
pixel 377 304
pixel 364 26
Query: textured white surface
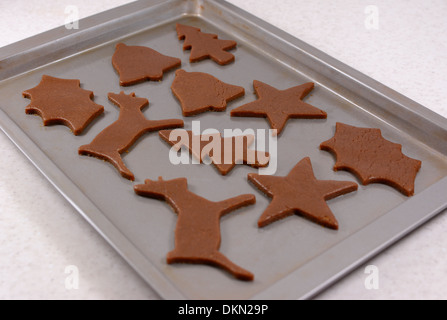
pixel 41 234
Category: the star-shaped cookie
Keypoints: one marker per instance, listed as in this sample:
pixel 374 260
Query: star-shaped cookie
pixel 300 193
pixel 278 106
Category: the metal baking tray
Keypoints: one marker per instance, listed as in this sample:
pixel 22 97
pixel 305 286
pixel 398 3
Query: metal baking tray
pixel 292 258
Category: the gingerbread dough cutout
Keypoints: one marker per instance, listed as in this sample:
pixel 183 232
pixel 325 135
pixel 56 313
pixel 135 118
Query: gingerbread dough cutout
pixel 199 92
pixel 136 64
pixel 62 101
pixel 300 193
pixel 373 159
pixel 197 235
pixel 278 106
pixel 117 138
pixel 205 45
pixel 227 152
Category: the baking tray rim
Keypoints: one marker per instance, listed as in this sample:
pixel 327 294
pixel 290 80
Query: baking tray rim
pixel 428 202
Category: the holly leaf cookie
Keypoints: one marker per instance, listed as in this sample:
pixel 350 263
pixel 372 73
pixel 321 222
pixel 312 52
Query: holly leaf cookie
pixel 373 159
pixel 62 101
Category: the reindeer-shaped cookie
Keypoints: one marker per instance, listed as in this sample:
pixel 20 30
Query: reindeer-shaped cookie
pixel 197 235
pixel 123 133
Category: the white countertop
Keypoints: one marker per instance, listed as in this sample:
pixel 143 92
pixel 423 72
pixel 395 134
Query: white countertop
pixel 41 234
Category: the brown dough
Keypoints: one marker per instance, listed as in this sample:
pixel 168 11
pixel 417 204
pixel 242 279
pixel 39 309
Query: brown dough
pixel 278 106
pixel 205 45
pixel 199 92
pixel 242 155
pixel 197 235
pixel 122 134
pixel 301 193
pixel 136 64
pixel 372 158
pixel 62 101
